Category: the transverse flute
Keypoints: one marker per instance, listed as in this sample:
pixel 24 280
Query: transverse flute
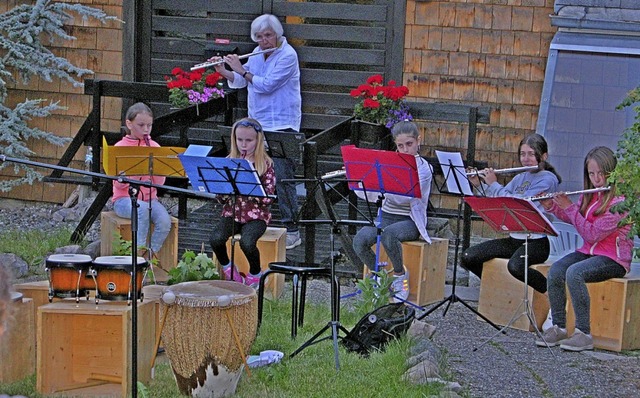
pixel 333 174
pixel 505 171
pixel 551 195
pixel 213 63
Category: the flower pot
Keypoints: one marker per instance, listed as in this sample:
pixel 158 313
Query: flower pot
pixel 372 135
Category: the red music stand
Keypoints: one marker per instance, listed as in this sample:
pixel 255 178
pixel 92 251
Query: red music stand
pixel 376 172
pixel 509 214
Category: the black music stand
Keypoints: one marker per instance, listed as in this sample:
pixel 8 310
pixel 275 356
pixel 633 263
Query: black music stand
pixel 223 176
pixel 509 214
pixel 457 183
pixel 321 193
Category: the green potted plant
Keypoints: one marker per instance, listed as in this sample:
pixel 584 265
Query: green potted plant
pixel 193 88
pixel 192 267
pixel 375 291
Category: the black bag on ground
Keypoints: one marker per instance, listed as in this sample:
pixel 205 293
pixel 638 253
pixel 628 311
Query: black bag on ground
pixel 378 327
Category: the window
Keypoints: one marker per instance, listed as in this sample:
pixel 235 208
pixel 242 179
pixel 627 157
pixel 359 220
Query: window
pixel 587 76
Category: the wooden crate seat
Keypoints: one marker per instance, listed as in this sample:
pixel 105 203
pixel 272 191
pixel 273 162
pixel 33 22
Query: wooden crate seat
pixel 272 246
pixel 427 266
pixel 501 296
pixel 110 223
pixel 84 349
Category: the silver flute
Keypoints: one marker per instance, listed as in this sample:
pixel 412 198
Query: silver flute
pixel 505 171
pixel 213 63
pixel 553 194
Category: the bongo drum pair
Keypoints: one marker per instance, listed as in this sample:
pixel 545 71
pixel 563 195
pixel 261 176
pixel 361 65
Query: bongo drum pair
pixel 74 275
pixel 208 328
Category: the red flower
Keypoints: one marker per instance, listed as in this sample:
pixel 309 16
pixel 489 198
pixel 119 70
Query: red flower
pixel 380 103
pixel 212 79
pixel 371 103
pixel 375 79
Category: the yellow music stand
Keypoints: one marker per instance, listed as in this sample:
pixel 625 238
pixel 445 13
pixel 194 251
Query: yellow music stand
pixel 135 160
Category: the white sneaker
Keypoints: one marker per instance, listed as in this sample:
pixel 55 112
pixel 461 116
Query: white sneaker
pixel 548 323
pixel 293 240
pixel 400 287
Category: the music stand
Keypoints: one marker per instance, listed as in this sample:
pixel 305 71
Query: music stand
pixel 137 161
pixel 376 172
pixel 322 197
pixel 509 214
pixel 457 184
pixel 222 176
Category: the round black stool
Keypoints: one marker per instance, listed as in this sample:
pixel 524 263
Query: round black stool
pixel 300 272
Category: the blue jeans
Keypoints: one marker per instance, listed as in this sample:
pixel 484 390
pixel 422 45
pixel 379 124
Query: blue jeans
pixel 159 217
pixel 250 233
pixel 576 270
pixel 287 197
pixel 395 230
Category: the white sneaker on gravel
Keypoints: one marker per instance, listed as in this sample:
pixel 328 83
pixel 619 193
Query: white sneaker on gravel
pixel 400 287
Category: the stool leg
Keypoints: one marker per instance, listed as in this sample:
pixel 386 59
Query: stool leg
pixel 303 295
pixel 261 294
pixel 294 307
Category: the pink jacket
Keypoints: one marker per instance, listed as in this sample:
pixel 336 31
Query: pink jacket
pixel 121 190
pixel 601 234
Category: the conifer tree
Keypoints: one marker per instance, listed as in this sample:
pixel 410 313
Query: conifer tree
pixel 24 32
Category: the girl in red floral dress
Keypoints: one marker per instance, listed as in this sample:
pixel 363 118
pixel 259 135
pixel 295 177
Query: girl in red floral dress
pixel 248 215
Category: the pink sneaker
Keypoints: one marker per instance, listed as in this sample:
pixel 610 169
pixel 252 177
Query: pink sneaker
pixel 253 280
pixel 237 276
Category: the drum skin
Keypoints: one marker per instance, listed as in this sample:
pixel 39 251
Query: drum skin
pixel 198 334
pixel 69 274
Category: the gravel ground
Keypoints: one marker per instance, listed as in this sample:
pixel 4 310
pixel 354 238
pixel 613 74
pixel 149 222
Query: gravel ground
pixel 508 365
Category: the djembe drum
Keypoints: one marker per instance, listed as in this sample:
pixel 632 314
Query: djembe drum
pixel 209 326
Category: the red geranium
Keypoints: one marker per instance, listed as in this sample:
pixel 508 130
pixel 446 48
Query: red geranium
pixel 381 104
pixel 188 88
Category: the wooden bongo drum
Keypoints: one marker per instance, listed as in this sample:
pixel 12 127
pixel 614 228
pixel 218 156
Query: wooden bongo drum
pixel 209 328
pixel 69 275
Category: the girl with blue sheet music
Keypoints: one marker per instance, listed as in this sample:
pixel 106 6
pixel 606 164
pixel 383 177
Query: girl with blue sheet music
pixel 248 215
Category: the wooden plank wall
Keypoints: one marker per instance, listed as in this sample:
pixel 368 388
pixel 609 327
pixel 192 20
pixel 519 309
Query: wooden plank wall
pixel 339 44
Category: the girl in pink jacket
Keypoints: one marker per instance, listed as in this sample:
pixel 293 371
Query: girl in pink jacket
pixel 605 254
pixel 138 122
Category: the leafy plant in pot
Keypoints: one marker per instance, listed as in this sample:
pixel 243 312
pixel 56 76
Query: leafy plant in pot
pixel 375 291
pixel 192 267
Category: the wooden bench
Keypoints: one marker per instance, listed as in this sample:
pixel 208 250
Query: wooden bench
pixel 272 246
pixel 427 266
pixel 110 223
pixel 501 296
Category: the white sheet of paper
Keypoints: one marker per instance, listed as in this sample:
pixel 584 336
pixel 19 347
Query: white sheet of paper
pixel 451 162
pixel 198 150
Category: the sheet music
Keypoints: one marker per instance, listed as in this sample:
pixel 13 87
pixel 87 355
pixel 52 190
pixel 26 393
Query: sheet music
pixel 454 171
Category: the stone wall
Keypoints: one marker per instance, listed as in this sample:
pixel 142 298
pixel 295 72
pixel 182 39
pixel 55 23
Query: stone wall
pixel 98 47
